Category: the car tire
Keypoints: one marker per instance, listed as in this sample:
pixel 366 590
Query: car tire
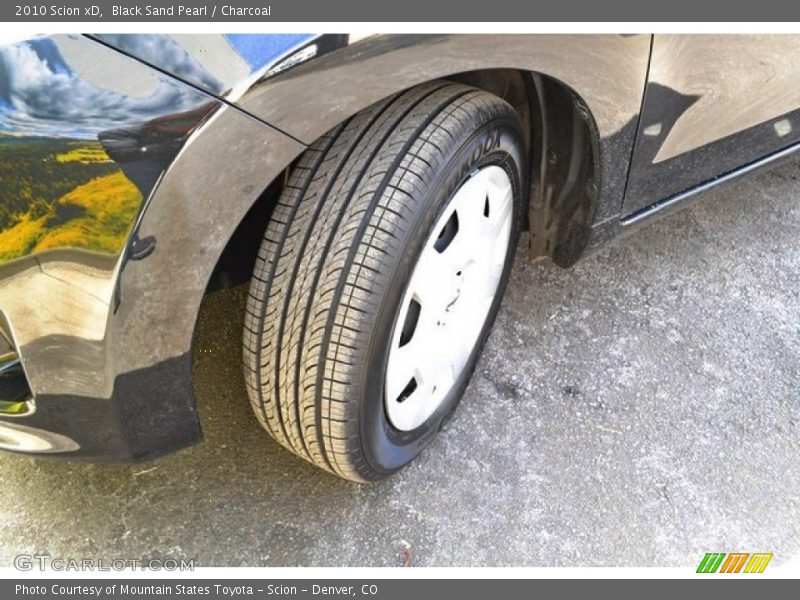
pixel 330 321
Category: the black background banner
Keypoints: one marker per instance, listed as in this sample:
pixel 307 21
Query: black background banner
pixel 440 11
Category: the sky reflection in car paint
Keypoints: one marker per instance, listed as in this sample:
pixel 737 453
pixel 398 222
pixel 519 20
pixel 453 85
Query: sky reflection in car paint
pixel 215 63
pixel 79 149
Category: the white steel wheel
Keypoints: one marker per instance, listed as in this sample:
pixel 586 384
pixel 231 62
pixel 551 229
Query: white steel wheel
pixel 448 298
pixel 380 272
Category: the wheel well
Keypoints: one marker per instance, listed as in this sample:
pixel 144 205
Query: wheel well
pixel 564 160
pixel 565 168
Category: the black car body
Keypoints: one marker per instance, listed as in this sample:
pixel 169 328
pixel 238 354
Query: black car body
pixel 134 170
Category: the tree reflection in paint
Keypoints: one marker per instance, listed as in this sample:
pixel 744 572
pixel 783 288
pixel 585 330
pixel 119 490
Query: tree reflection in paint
pixel 77 160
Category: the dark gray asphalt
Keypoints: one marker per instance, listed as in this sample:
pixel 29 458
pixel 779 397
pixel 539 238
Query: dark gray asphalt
pixel 640 409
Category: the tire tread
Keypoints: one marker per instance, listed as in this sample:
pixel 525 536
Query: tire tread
pixel 325 259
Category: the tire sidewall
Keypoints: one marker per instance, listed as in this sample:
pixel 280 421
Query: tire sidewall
pixel 497 142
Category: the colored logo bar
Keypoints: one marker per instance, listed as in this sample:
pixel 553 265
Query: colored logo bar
pixel 736 562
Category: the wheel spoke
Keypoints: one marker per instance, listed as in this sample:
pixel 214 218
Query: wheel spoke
pixel 402 372
pixel 454 282
pixel 501 204
pixel 492 279
pixel 429 283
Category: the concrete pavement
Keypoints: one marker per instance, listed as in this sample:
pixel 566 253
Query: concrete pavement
pixel 640 409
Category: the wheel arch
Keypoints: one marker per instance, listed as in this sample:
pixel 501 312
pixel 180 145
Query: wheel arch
pixel 586 90
pixel 226 178
pixel 565 164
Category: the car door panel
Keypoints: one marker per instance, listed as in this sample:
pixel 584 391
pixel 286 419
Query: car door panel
pixel 713 103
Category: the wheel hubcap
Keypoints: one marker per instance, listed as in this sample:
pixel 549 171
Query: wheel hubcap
pixel 448 298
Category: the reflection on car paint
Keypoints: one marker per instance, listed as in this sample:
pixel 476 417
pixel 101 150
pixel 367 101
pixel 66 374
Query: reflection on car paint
pixel 213 62
pixel 77 157
pixel 712 104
